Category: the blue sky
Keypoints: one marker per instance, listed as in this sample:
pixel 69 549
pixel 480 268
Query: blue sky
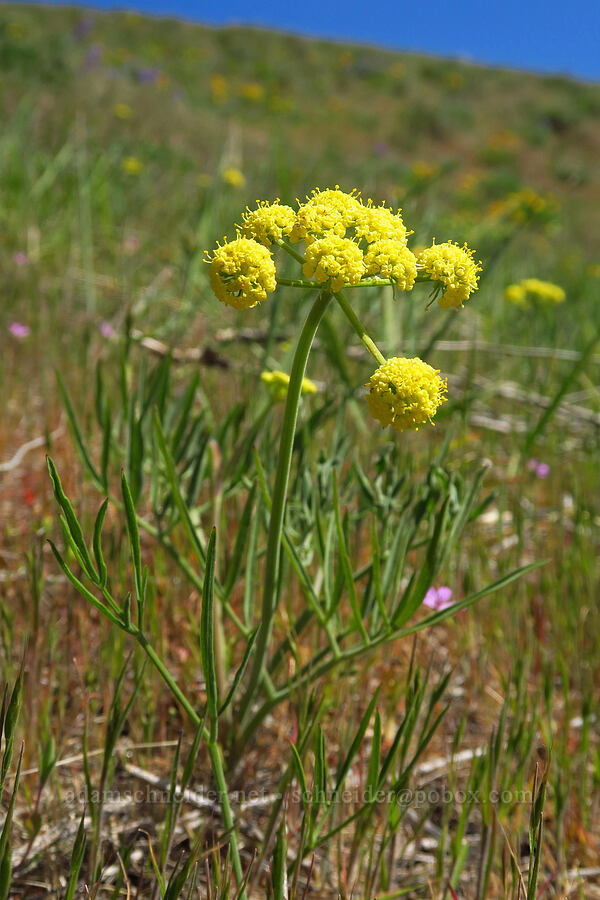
pixel 549 36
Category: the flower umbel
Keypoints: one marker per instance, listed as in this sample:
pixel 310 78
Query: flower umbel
pixel 453 267
pixel 374 223
pixel 242 272
pixel 326 212
pixel 269 222
pixel 405 393
pixel 391 259
pixel 334 260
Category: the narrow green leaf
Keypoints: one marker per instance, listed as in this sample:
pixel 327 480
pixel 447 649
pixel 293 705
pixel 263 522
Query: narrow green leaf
pixel 346 566
pixel 102 569
pixel 301 776
pixel 240 543
pixel 72 522
pixel 375 758
pixel 356 744
pixel 76 860
pixel 135 453
pixel 134 542
pixel 76 433
pixel 83 590
pixel 240 672
pixel 570 377
pixel 207 632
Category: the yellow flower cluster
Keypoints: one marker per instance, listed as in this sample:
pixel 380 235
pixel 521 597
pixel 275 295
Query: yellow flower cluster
pixel 533 290
pixel 453 268
pixel 389 259
pixel 242 272
pixel 405 393
pixel 376 223
pixel 324 213
pixel 347 240
pixel 335 261
pixel 269 222
pixel 278 382
pixel 528 206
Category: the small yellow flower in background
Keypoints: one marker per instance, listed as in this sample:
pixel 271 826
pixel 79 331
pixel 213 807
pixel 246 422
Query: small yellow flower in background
pixel 527 205
pixel 278 382
pixel 405 393
pixel 132 165
pixel 269 222
pixel 252 91
pixel 423 171
pixel 218 88
pixel 468 181
pixel 122 111
pixel 328 211
pixel 594 270
pixel 391 259
pixel 454 80
pixel 453 267
pixel 533 290
pixel 233 177
pixel 16 30
pixel 242 272
pixel 334 261
pixel 515 294
pixel 374 223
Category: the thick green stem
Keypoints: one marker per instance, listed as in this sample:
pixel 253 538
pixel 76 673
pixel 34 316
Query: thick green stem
pixel 360 329
pixel 279 496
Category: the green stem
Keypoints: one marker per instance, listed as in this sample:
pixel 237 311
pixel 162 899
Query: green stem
pixel 296 282
pixel 360 329
pixel 273 554
pixel 289 249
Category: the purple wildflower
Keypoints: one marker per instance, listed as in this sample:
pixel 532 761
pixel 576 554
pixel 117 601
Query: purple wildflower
pixel 438 598
pixel 19 330
pixel 106 330
pixel 541 469
pixel 20 258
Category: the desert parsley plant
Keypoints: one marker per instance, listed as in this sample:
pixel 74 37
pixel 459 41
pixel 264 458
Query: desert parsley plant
pixel 340 243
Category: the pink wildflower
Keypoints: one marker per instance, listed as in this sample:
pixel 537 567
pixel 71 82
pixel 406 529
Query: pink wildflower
pixel 438 598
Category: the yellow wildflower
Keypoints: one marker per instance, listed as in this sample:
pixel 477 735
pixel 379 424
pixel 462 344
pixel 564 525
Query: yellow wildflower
pixel 253 91
pixel 218 88
pixel 515 293
pixel 233 177
pixel 376 222
pixel 122 111
pixel 453 267
pixel 405 393
pixel 423 171
pixel 335 261
pixel 132 165
pixel 278 382
pixel 242 272
pixel 326 212
pixel 533 289
pixel 269 222
pixel 392 259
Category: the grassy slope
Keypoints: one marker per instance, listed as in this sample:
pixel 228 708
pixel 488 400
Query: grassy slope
pixel 101 240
